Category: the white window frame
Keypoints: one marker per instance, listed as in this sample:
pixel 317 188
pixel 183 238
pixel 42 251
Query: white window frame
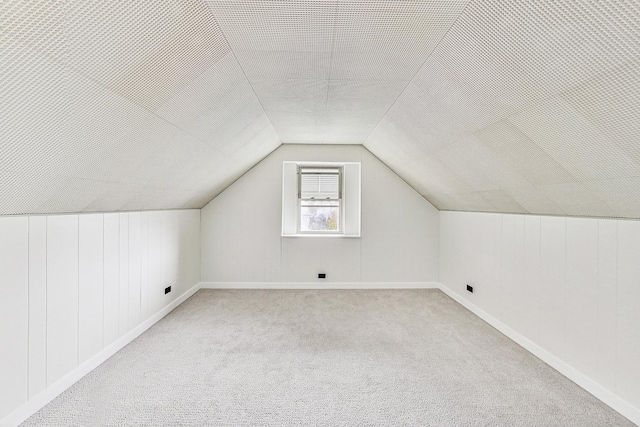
pixel 350 203
pixel 339 200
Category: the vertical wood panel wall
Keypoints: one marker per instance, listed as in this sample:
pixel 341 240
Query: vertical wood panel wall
pixel 71 285
pixel 570 285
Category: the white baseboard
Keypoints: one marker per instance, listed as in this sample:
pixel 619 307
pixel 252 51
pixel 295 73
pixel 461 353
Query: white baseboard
pixel 39 401
pixel 316 285
pixel 616 403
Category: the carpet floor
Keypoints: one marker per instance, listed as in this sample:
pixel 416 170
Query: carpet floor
pixel 324 357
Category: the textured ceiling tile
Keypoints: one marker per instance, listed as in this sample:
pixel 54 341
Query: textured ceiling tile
pixel 313 106
pixel 346 128
pixel 195 46
pixel 533 200
pixel 378 144
pixel 573 142
pixel 206 173
pixel 296 49
pixel 143 51
pixel 425 124
pixel 393 26
pixel 336 123
pixel 350 120
pixel 258 128
pixel 348 138
pixel 465 201
pixel 151 136
pixel 572 41
pixel 622 195
pixel 211 100
pixel 277 25
pixel 473 84
pixel 502 202
pixel 26 197
pixel 170 161
pixel 102 132
pixel 478 165
pixel 154 199
pixel 74 195
pixel 390 144
pixel 290 88
pixel 576 199
pixel 284 65
pixel 36 24
pixel 30 20
pixel 611 103
pixel 107 40
pixel 429 177
pixel 501 57
pixel 460 105
pixel 226 135
pixel 374 65
pixel 493 106
pixel 433 177
pixel 366 89
pixel 112 199
pixel 544 46
pixel 338 137
pixel 514 148
pixel 34 112
pixel 307 136
pixel 260 140
pixel 374 108
pixel 298 122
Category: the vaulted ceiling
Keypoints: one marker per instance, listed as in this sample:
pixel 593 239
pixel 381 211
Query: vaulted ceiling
pixel 528 106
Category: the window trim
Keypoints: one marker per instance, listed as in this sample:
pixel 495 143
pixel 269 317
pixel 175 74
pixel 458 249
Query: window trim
pixel 351 206
pixel 339 199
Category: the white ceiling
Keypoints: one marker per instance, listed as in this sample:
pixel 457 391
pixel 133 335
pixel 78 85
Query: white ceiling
pixel 507 106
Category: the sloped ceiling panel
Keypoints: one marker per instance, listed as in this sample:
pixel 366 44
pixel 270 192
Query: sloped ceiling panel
pixel 117 105
pixel 326 71
pixel 527 106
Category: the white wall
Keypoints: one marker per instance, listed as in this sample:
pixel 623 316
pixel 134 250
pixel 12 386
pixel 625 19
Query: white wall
pixel 71 285
pixel 241 228
pixel 570 285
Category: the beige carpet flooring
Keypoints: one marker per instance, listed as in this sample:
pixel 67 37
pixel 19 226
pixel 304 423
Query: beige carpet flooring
pixel 328 357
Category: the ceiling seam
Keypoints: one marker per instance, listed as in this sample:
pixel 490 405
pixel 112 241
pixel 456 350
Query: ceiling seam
pixel 244 74
pixel 66 66
pixel 333 45
pixel 446 33
pixel 28 49
pixel 398 175
pixel 527 106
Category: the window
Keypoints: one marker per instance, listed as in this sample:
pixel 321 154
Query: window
pixel 321 199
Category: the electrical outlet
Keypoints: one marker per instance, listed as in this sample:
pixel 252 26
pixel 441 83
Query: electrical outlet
pixel 322 276
pixel 167 290
pixel 470 288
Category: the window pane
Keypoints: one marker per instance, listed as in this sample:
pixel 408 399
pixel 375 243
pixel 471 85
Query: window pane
pixel 319 218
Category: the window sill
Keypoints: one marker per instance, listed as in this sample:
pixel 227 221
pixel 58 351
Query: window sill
pixel 331 236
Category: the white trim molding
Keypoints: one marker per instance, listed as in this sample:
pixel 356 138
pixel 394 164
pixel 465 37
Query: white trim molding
pixel 319 285
pixel 39 401
pixel 615 402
